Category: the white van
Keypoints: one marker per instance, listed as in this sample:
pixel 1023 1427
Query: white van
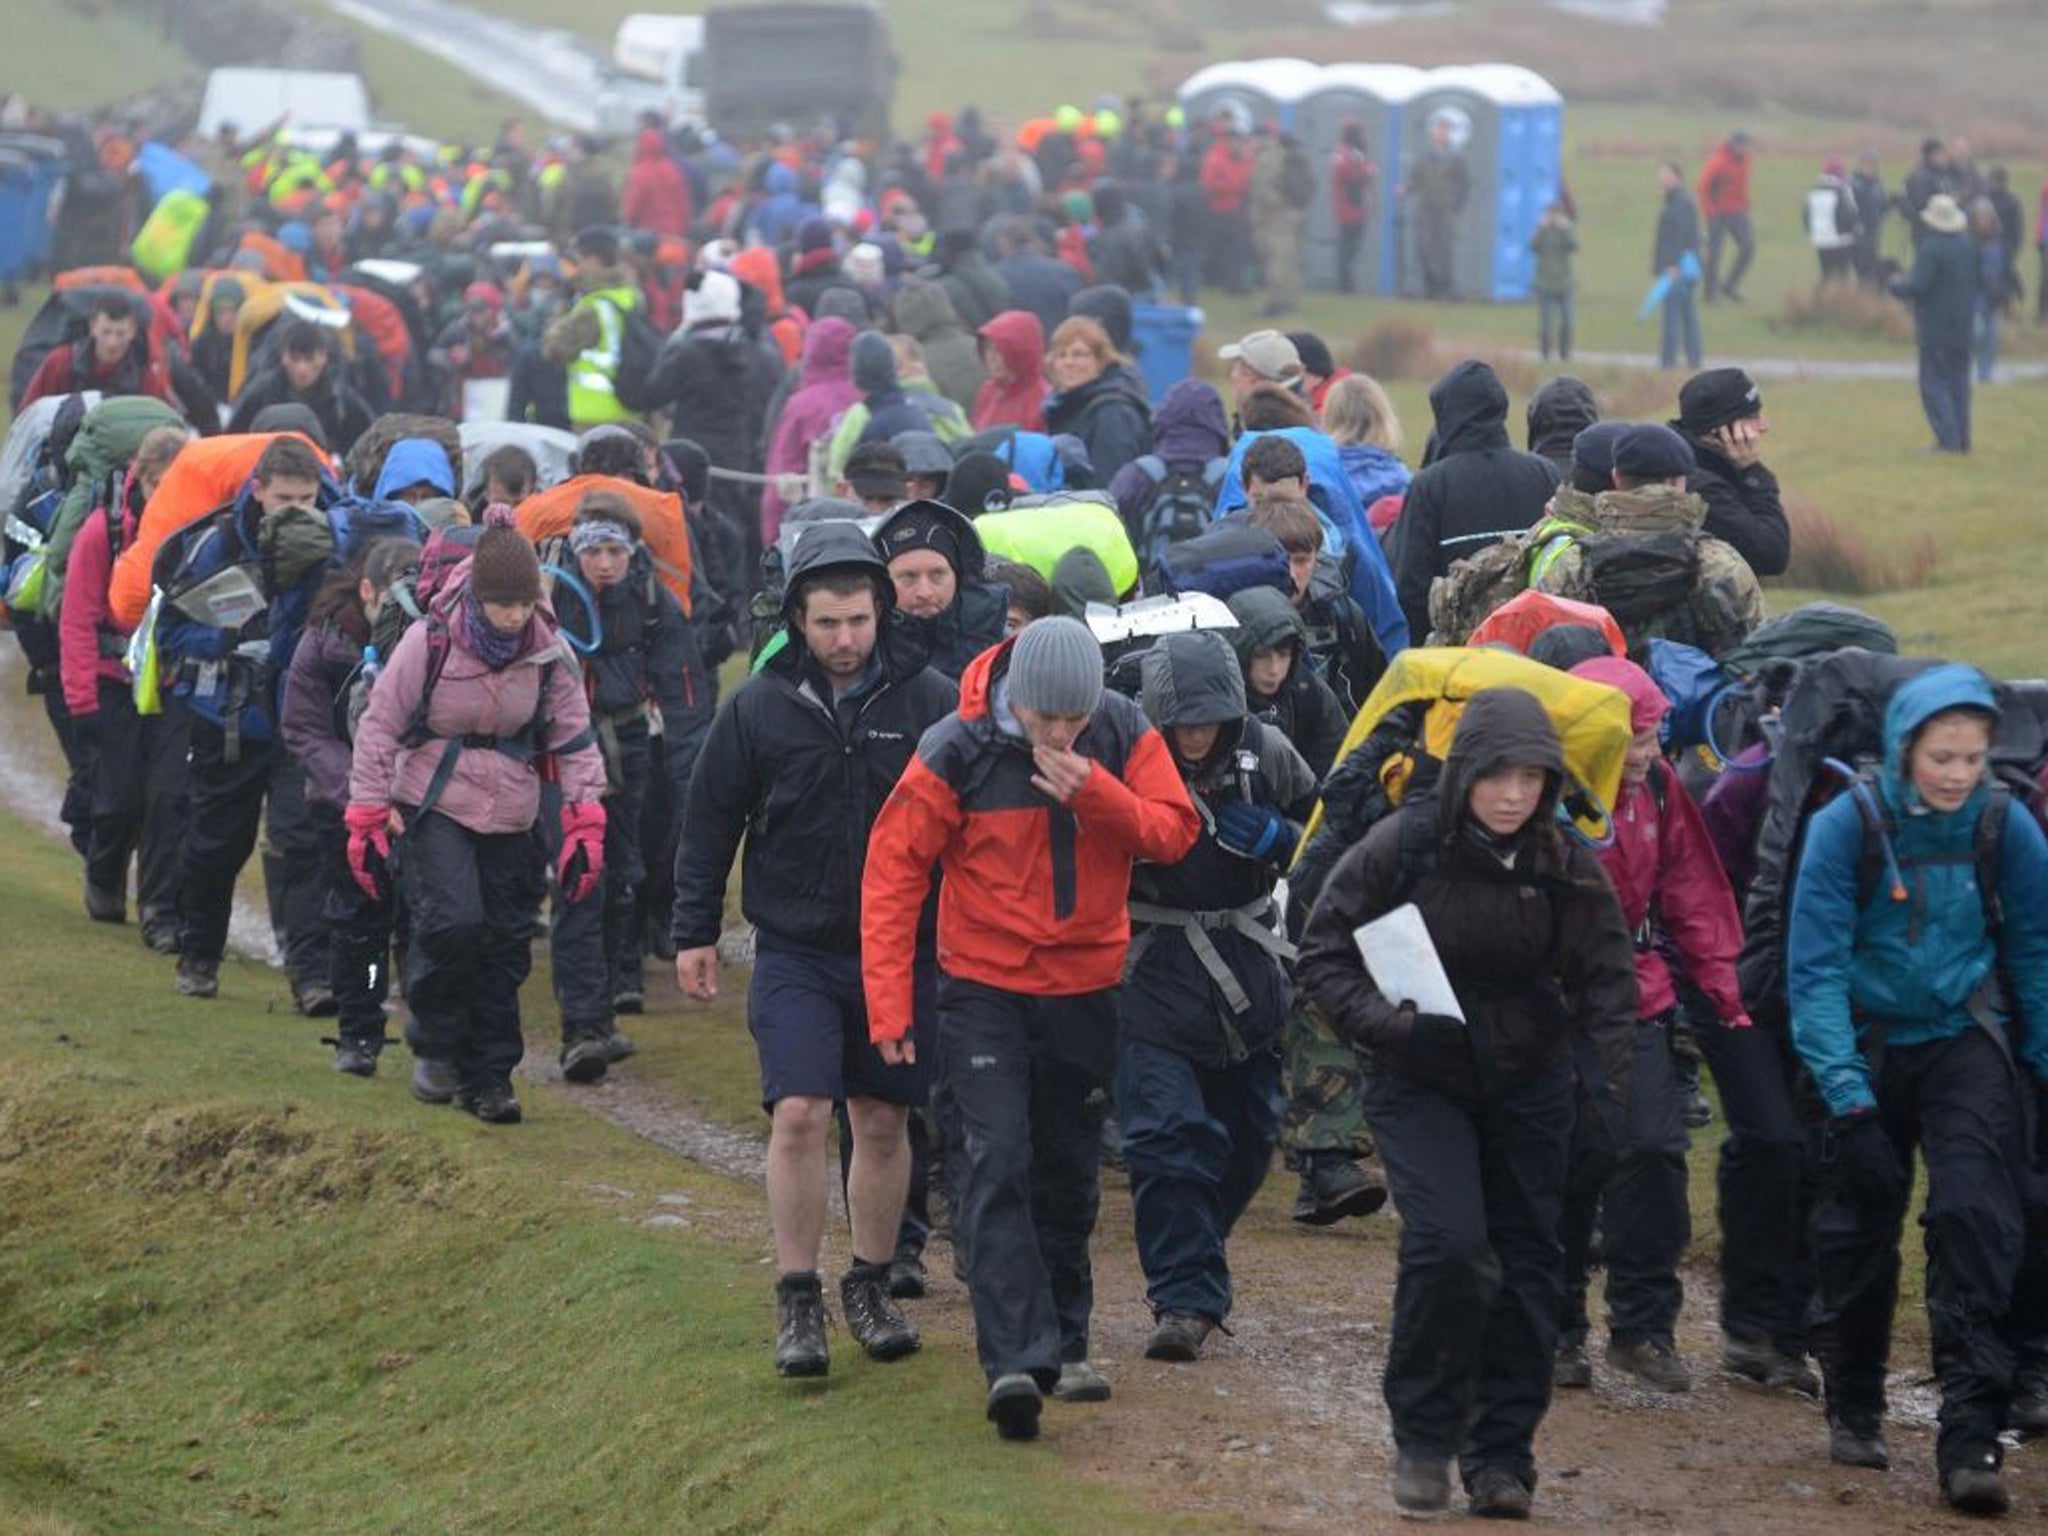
pixel 656 64
pixel 253 99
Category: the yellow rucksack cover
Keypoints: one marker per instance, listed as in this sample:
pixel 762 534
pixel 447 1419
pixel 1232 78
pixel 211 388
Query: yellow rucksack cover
pixel 1592 719
pixel 163 246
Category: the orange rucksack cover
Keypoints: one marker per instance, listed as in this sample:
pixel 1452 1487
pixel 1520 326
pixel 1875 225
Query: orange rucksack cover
pixel 663 527
pixel 1517 622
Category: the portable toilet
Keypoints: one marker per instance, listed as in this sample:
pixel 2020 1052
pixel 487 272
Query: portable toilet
pixel 1373 95
pixel 1268 90
pixel 1505 124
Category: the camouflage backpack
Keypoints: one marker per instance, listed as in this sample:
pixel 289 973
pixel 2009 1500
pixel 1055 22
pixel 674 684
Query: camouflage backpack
pixel 1461 600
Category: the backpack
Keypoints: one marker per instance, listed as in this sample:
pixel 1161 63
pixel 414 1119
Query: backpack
pixel 1230 557
pixel 1180 506
pixel 639 351
pixel 26 526
pixel 1673 583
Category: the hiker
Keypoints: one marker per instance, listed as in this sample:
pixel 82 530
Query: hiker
pixel 448 760
pixel 1341 645
pixel 1674 262
pixel 1013 359
pixel 1205 989
pixel 1673 895
pixel 642 667
pixel 1473 1115
pixel 1721 414
pixel 1554 244
pixel 938 566
pixel 1943 289
pixel 1169 494
pixel 1474 488
pixel 1354 184
pixel 1094 398
pixel 797 763
pixel 332 671
pixel 1917 972
pixel 1724 200
pixel 311 372
pixel 112 357
pixel 1034 799
pixel 1361 421
pixel 1831 216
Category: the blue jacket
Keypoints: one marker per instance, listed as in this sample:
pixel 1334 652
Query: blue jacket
pixel 1347 533
pixel 1913 964
pixel 410 461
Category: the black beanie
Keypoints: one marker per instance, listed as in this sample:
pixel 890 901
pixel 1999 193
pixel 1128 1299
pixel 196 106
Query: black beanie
pixel 980 483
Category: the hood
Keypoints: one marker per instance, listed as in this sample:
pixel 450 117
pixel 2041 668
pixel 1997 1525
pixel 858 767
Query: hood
pixel 840 302
pixel 649 146
pixel 778 180
pixel 1471 409
pixel 874 364
pixel 1647 705
pixel 833 544
pixel 828 349
pixel 1266 620
pixel 1078 579
pixel 411 460
pixel 1109 305
pixel 925 310
pixel 1191 678
pixel 1018 337
pixel 1499 728
pixel 1558 412
pixel 973 562
pixel 1916 702
pixel 978 681
pixel 757 268
pixel 1190 423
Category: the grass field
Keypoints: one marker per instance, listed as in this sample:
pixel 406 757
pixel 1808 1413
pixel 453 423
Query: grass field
pixel 60 57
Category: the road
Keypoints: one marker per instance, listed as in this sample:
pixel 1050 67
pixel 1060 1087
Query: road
pixel 550 70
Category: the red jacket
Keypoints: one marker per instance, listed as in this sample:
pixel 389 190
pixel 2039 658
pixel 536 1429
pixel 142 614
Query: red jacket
pixel 1352 174
pixel 1036 895
pixel 657 197
pixel 1724 181
pixel 1227 175
pixel 84 618
pixel 68 369
pixel 1018 401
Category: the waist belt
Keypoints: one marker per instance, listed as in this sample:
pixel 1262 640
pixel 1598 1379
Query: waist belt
pixel 521 749
pixel 1257 921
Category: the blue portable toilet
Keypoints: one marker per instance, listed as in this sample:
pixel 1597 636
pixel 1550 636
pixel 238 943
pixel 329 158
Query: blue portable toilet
pixel 1374 96
pixel 1506 123
pixel 1256 90
pixel 50 164
pixel 17 191
pixel 1163 336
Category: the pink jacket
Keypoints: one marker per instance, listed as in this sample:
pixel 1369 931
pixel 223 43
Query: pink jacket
pixel 489 792
pixel 84 613
pixel 826 390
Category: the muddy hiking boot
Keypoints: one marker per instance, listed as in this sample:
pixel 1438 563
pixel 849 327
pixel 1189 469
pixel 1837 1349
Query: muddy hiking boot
pixel 1422 1484
pixel 800 1326
pixel 356 1058
pixel 2027 1414
pixel 1335 1185
pixel 1573 1371
pixel 434 1081
pixel 1178 1337
pixel 906 1277
pixel 1497 1494
pixel 1768 1366
pixel 105 903
pixel 585 1060
pixel 1655 1365
pixel 875 1321
pixel 492 1103
pixel 198 978
pixel 618 1047
pixel 1014 1404
pixel 160 935
pixel 1974 1488
pixel 1854 1444
pixel 1080 1382
pixel 629 996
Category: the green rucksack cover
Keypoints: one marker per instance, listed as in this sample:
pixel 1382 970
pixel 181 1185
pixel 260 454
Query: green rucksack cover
pixel 106 443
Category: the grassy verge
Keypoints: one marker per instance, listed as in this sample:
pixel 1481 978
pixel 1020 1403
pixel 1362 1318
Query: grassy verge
pixel 235 1288
pixel 60 56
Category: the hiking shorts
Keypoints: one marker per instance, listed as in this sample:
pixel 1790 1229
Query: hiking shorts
pixel 808 1015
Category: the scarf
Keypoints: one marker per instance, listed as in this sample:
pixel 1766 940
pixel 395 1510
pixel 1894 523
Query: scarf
pixel 488 643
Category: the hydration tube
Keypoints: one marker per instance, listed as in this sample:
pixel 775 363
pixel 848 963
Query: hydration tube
pixel 588 599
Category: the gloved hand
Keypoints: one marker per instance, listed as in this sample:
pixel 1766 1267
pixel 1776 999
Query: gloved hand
pixel 1254 831
pixel 1434 1046
pixel 369 848
pixel 1858 1151
pixel 581 865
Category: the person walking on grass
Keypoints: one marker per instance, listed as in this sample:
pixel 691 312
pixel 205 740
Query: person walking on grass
pixel 1943 288
pixel 1034 799
pixel 798 762
pixel 1675 262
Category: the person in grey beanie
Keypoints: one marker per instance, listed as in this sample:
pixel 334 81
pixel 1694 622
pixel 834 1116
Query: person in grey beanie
pixel 1034 798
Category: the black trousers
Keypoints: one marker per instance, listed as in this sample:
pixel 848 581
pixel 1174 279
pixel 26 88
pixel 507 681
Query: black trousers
pixel 1958 1102
pixel 358 936
pixel 228 800
pixel 595 942
pixel 1350 238
pixel 1028 1077
pixel 1726 227
pixel 469 899
pixel 1764 1185
pixel 1945 391
pixel 140 801
pixel 1480 1190
pixel 1643 1185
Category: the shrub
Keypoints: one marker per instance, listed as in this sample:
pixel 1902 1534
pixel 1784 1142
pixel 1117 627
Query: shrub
pixel 1844 309
pixel 1397 348
pixel 1829 556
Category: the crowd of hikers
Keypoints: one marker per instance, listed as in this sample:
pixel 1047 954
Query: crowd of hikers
pixel 1178 780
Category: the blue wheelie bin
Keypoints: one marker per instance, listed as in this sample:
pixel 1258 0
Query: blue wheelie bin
pixel 51 164
pixel 1164 336
pixel 17 194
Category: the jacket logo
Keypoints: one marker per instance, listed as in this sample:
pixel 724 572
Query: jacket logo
pixel 981 1063
pixel 885 736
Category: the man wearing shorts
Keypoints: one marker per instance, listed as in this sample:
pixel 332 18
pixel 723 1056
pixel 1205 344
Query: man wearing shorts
pixel 799 762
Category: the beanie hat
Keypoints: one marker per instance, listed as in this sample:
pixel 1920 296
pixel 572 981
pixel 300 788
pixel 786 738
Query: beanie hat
pixel 921 525
pixel 1056 668
pixel 1652 451
pixel 504 568
pixel 714 301
pixel 1593 455
pixel 980 483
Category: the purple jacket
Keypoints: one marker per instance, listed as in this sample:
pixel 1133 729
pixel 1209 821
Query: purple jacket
pixel 489 792
pixel 322 664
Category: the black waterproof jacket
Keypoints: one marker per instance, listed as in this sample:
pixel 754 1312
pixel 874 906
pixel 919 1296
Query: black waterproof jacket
pixel 1743 507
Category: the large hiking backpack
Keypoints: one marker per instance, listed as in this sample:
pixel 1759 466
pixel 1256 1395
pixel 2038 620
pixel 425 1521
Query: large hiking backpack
pixel 1229 558
pixel 1038 530
pixel 1128 631
pixel 1834 713
pixel 1180 506
pixel 40 444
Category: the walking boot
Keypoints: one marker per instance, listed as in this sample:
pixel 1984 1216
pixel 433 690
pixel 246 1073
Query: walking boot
pixel 1334 1186
pixel 198 978
pixel 1497 1494
pixel 618 1047
pixel 906 1277
pixel 1768 1366
pixel 1080 1382
pixel 355 1057
pixel 434 1081
pixel 493 1103
pixel 1975 1489
pixel 1573 1371
pixel 1178 1337
pixel 2027 1414
pixel 1422 1484
pixel 1857 1445
pixel 1014 1404
pixel 105 903
pixel 800 1326
pixel 314 1000
pixel 875 1321
pixel 1654 1364
pixel 585 1060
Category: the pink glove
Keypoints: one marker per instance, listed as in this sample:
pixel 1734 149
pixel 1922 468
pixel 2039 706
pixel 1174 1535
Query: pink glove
pixel 369 847
pixel 581 865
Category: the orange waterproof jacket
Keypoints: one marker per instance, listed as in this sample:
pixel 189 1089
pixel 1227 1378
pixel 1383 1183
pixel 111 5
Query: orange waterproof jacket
pixel 547 514
pixel 1036 895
